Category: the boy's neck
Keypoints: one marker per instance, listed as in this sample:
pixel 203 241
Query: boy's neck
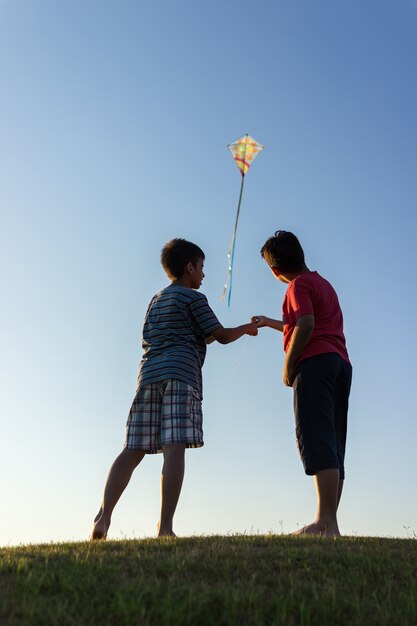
pixel 287 278
pixel 181 282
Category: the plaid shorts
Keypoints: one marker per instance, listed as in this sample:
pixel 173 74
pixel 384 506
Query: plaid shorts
pixel 162 414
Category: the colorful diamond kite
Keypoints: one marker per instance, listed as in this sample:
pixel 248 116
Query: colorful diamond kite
pixel 244 151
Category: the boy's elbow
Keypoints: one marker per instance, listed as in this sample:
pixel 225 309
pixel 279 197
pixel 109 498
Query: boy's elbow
pixel 221 335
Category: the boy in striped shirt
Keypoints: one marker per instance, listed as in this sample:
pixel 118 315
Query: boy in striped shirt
pixel 166 413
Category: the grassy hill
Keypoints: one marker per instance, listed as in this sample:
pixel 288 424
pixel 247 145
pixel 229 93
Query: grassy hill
pixel 263 580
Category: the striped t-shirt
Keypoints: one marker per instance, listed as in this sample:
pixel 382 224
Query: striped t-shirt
pixel 177 322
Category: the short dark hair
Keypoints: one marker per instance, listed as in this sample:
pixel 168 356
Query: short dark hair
pixel 284 252
pixel 176 254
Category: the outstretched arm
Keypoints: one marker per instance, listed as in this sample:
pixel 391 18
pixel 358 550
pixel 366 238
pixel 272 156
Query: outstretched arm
pixel 262 320
pixel 227 335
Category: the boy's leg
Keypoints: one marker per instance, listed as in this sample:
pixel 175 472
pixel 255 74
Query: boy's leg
pixel 328 489
pixel 117 481
pixel 171 483
pixel 321 436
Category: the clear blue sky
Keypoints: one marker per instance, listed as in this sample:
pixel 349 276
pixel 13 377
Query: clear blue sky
pixel 114 121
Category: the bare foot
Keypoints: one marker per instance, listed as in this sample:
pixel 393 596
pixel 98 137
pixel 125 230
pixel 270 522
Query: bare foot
pixel 164 532
pixel 168 533
pixel 319 528
pixel 100 528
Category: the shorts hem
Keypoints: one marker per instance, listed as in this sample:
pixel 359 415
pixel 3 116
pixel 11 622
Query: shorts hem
pixel 147 450
pixel 312 472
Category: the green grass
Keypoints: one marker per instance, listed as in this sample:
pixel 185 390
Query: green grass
pixel 240 580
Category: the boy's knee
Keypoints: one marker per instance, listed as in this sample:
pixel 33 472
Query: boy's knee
pixel 174 450
pixel 133 456
pixel 173 447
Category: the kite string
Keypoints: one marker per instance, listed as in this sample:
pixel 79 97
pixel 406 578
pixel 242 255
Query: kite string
pixel 232 254
pixel 238 356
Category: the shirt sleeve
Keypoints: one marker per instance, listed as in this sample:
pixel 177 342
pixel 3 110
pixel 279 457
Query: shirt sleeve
pixel 203 315
pixel 298 302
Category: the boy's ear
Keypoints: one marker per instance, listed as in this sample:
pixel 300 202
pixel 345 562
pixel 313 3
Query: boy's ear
pixel 190 267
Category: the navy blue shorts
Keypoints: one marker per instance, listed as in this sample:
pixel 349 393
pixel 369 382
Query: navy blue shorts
pixel 321 397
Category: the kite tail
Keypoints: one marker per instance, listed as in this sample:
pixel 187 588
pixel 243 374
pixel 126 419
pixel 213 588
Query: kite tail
pixel 231 253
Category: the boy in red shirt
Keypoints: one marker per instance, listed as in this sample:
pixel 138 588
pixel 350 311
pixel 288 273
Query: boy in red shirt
pixel 317 367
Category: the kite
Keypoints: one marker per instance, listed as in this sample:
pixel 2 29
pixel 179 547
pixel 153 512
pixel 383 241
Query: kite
pixel 244 151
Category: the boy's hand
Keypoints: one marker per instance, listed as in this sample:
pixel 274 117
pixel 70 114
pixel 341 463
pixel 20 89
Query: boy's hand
pixel 262 320
pixel 259 320
pixel 252 329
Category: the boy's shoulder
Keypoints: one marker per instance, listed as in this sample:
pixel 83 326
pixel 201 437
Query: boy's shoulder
pixel 312 283
pixel 312 278
pixel 181 293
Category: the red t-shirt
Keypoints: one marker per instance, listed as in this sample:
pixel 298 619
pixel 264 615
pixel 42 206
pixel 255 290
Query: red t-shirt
pixel 310 293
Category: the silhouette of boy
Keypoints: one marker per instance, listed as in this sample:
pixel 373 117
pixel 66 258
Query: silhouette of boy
pixel 318 369
pixel 166 414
